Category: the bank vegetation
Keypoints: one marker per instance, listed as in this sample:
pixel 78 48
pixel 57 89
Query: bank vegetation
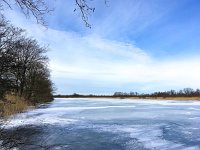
pixel 24 73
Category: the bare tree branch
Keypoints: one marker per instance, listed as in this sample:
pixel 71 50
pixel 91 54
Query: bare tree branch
pixel 85 10
pixel 39 8
pixel 36 8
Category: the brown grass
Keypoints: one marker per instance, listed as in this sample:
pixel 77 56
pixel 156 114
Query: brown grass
pixel 12 105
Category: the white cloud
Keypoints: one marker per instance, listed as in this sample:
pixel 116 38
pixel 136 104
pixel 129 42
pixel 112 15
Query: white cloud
pixel 109 62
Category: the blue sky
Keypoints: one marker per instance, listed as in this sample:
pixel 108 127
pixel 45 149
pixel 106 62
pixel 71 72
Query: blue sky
pixel 133 45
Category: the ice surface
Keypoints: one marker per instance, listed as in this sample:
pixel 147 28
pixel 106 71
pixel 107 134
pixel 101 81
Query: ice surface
pixel 119 124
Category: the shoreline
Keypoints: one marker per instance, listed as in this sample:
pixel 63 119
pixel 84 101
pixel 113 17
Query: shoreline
pixel 134 98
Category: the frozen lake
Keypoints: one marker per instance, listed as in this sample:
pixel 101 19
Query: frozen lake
pixel 108 124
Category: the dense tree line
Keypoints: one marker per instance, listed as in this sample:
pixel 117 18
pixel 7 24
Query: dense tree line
pixel 186 92
pixel 23 65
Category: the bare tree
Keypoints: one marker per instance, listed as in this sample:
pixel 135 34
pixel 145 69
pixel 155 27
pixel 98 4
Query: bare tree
pixel 22 59
pixel 27 52
pixel 8 34
pixel 85 10
pixel 39 8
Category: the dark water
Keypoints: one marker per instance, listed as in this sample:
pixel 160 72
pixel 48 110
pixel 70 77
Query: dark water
pixel 107 124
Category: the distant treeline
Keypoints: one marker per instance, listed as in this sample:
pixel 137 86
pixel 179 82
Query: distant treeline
pixel 75 95
pixel 23 65
pixel 186 92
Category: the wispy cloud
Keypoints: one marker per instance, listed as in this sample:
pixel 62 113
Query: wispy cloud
pixel 93 62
